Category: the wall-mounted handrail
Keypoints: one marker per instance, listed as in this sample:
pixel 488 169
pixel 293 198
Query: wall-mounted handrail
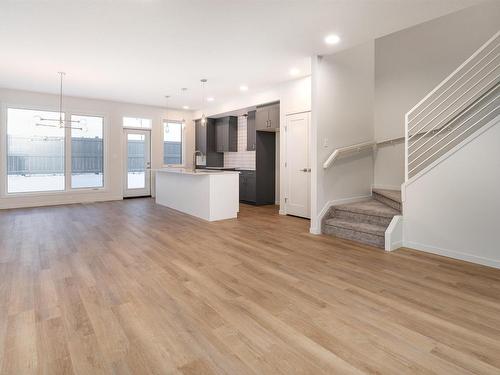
pixel 357 148
pixel 342 150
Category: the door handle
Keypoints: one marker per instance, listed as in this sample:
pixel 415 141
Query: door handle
pixel 303 170
pixel 309 169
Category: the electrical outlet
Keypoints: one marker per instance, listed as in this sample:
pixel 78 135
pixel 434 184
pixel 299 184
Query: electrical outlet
pixel 325 143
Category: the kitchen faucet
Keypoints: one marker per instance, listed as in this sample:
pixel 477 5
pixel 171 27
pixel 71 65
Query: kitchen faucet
pixel 194 158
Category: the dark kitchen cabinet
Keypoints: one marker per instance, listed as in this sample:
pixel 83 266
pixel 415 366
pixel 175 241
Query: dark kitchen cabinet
pixel 258 186
pixel 248 186
pixel 267 117
pixel 200 137
pixel 226 134
pixel 251 132
pixel 205 142
pixel 205 136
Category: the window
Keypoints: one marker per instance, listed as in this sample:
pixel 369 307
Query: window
pixel 87 152
pixel 172 142
pixel 35 154
pixel 132 122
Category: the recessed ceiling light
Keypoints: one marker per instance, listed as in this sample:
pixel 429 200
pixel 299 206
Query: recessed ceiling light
pixel 332 39
pixel 185 107
pixel 210 99
pixel 244 88
pixel 294 71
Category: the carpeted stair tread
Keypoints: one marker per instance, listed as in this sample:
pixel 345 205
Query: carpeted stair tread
pixel 377 230
pixel 369 207
pixel 391 198
pixel 394 195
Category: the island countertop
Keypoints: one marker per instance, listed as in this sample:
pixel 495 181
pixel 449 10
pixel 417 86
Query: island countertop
pixel 198 172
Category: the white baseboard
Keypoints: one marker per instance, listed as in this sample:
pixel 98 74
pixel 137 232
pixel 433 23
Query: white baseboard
pixel 326 207
pixel 495 263
pixel 12 203
pixel 314 230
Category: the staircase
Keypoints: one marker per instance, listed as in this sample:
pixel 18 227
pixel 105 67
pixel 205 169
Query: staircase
pixel 364 221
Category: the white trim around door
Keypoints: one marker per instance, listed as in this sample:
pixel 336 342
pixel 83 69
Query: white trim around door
pixel 136 163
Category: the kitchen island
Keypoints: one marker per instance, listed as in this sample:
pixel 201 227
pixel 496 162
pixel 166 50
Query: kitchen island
pixel 207 194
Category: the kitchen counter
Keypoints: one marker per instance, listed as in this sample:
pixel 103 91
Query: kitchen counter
pixel 198 172
pixel 208 194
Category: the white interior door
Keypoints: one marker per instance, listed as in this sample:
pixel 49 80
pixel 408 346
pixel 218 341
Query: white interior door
pixel 298 168
pixel 137 163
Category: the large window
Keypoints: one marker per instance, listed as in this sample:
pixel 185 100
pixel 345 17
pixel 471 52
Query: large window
pixel 172 142
pixel 87 152
pixel 37 157
pixel 134 122
pixel 35 154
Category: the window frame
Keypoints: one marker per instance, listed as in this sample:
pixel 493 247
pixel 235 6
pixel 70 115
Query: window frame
pixel 68 190
pixel 137 127
pixel 104 155
pixel 183 143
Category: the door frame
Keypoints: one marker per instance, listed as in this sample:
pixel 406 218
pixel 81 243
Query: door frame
pixel 285 163
pixel 141 192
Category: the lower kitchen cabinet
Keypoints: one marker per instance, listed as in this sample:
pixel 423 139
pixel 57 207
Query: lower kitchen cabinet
pixel 248 186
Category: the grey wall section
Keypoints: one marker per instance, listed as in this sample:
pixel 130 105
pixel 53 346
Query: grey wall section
pixel 344 116
pixel 410 63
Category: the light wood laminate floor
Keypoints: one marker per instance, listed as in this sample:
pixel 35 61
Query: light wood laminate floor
pixel 135 288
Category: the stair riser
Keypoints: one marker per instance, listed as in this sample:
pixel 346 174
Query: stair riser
pixel 387 201
pixel 348 234
pixel 362 218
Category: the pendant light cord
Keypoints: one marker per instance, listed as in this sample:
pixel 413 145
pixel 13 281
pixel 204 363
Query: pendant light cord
pixel 60 98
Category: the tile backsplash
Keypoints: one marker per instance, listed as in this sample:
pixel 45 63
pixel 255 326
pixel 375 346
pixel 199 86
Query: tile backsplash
pixel 242 159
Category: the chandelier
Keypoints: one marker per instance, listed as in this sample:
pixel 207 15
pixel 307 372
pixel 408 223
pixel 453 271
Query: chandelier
pixel 60 122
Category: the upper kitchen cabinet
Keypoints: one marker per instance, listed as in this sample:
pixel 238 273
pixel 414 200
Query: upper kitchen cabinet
pixel 205 142
pixel 251 145
pixel 267 117
pixel 205 136
pixel 226 134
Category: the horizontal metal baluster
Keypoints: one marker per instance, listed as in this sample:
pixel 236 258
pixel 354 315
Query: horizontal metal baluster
pixel 460 107
pixel 455 72
pixel 470 127
pixel 457 80
pixel 448 124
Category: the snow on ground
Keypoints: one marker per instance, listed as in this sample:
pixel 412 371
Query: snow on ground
pixel 36 183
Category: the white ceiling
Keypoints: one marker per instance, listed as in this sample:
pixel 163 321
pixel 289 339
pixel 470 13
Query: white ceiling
pixel 140 50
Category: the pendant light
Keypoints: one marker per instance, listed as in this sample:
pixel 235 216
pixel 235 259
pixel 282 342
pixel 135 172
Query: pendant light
pixel 203 116
pixel 167 129
pixel 60 122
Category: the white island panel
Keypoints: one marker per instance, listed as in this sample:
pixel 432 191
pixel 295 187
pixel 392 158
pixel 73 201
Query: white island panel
pixel 208 195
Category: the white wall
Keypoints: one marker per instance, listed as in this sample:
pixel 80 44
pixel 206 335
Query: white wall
pixel 454 209
pixel 113 113
pixel 294 97
pixel 410 63
pixel 342 115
